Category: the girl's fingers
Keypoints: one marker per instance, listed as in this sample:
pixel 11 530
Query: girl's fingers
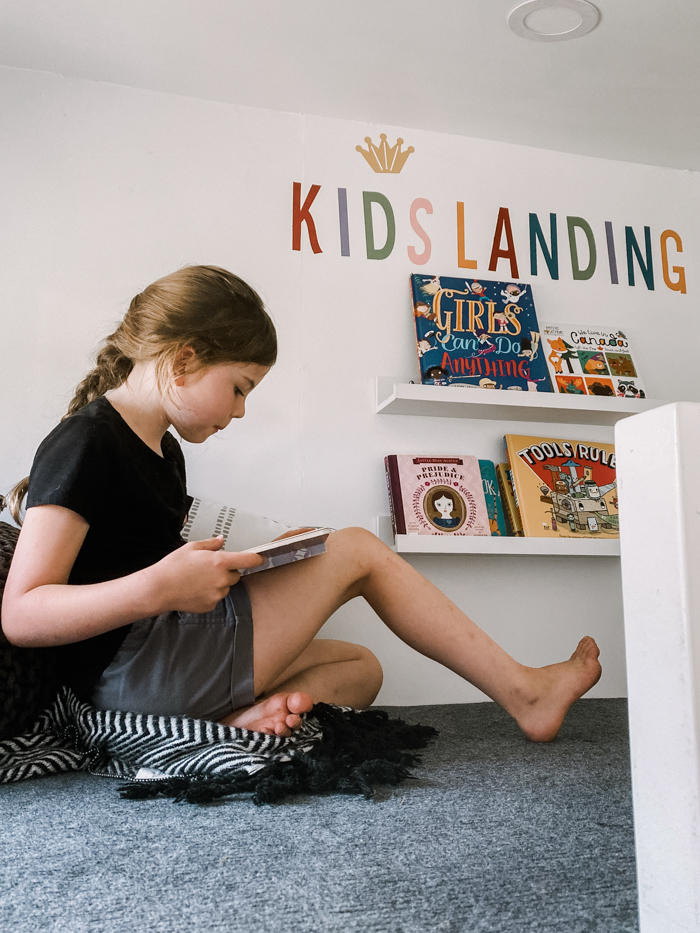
pixel 239 560
pixel 210 544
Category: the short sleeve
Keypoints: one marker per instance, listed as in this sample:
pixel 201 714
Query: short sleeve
pixel 172 449
pixel 71 468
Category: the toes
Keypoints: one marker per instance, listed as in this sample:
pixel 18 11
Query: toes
pixel 586 647
pixel 592 648
pixel 299 703
pixel 280 715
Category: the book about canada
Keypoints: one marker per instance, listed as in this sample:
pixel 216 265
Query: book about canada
pixel 478 333
pixel 436 495
pixel 565 488
pixel 591 361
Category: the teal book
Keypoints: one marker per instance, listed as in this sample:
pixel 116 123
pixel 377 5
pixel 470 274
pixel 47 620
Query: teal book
pixel 494 506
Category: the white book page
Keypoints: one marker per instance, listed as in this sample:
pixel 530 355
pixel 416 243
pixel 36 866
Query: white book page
pixel 241 530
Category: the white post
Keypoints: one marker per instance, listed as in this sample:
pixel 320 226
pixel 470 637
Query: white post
pixel 658 460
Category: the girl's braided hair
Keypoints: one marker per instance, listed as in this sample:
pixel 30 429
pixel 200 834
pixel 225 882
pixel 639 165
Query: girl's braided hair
pixel 204 307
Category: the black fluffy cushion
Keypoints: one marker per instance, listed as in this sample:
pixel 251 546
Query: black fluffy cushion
pixel 27 675
pixel 359 749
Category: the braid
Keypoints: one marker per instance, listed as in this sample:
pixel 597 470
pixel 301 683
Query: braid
pixel 112 366
pixel 14 498
pixel 113 363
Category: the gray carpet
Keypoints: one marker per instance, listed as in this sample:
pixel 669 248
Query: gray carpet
pixel 496 834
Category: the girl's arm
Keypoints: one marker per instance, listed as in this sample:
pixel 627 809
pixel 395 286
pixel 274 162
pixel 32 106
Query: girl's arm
pixel 40 608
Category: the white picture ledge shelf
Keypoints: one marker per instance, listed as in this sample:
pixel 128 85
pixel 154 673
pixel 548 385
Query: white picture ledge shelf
pixel 445 544
pixel 452 544
pixel 404 398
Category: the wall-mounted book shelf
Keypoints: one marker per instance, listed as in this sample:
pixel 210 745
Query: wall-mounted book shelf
pixel 395 397
pixel 450 544
pixel 444 544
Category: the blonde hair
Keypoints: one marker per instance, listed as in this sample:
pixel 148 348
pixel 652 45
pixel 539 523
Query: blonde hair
pixel 204 307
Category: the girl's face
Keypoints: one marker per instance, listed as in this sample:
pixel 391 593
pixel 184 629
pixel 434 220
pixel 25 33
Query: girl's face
pixel 204 401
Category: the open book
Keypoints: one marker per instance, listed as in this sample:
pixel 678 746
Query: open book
pixel 242 531
pixel 297 547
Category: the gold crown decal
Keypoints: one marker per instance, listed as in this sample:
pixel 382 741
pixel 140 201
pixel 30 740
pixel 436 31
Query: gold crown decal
pixel 385 158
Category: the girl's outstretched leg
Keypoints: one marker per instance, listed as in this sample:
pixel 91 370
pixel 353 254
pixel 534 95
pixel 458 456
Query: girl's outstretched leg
pixel 423 617
pixel 291 603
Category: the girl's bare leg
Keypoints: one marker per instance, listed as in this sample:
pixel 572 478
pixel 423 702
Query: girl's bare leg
pixel 333 672
pixel 291 603
pixel 328 671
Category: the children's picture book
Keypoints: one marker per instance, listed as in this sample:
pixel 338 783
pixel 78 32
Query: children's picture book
pixel 478 334
pixel 436 495
pixel 565 488
pixel 505 486
pixel 287 550
pixel 591 361
pixel 494 506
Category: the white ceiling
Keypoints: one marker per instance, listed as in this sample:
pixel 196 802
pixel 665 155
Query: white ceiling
pixel 628 90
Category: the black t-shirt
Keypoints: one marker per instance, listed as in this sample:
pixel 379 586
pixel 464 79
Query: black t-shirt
pixel 134 501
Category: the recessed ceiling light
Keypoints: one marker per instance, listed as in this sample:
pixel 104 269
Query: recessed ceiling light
pixel 553 20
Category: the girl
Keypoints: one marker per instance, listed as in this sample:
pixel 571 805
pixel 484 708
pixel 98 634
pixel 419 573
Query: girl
pixel 149 624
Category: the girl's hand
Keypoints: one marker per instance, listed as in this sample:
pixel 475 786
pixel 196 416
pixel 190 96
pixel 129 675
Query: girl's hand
pixel 196 576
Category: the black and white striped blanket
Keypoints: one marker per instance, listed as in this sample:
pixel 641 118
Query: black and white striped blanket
pixel 72 736
pixel 336 749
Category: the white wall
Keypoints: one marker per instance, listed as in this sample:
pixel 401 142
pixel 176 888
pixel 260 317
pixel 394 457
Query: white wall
pixel 104 188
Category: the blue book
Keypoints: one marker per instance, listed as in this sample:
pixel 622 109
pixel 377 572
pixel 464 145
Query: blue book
pixel 478 333
pixel 494 506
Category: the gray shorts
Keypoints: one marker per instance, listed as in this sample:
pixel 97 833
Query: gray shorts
pixel 187 664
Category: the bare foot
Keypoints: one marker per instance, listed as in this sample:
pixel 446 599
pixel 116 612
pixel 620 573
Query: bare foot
pixel 540 710
pixel 275 715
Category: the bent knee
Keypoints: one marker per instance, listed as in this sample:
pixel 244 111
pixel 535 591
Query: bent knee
pixel 357 544
pixel 333 650
pixel 372 669
pixel 329 650
pixel 354 534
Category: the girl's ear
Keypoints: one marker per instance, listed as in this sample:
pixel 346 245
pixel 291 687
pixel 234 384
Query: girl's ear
pixel 183 364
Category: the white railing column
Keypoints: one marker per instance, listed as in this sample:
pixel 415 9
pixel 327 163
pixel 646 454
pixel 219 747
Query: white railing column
pixel 658 458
